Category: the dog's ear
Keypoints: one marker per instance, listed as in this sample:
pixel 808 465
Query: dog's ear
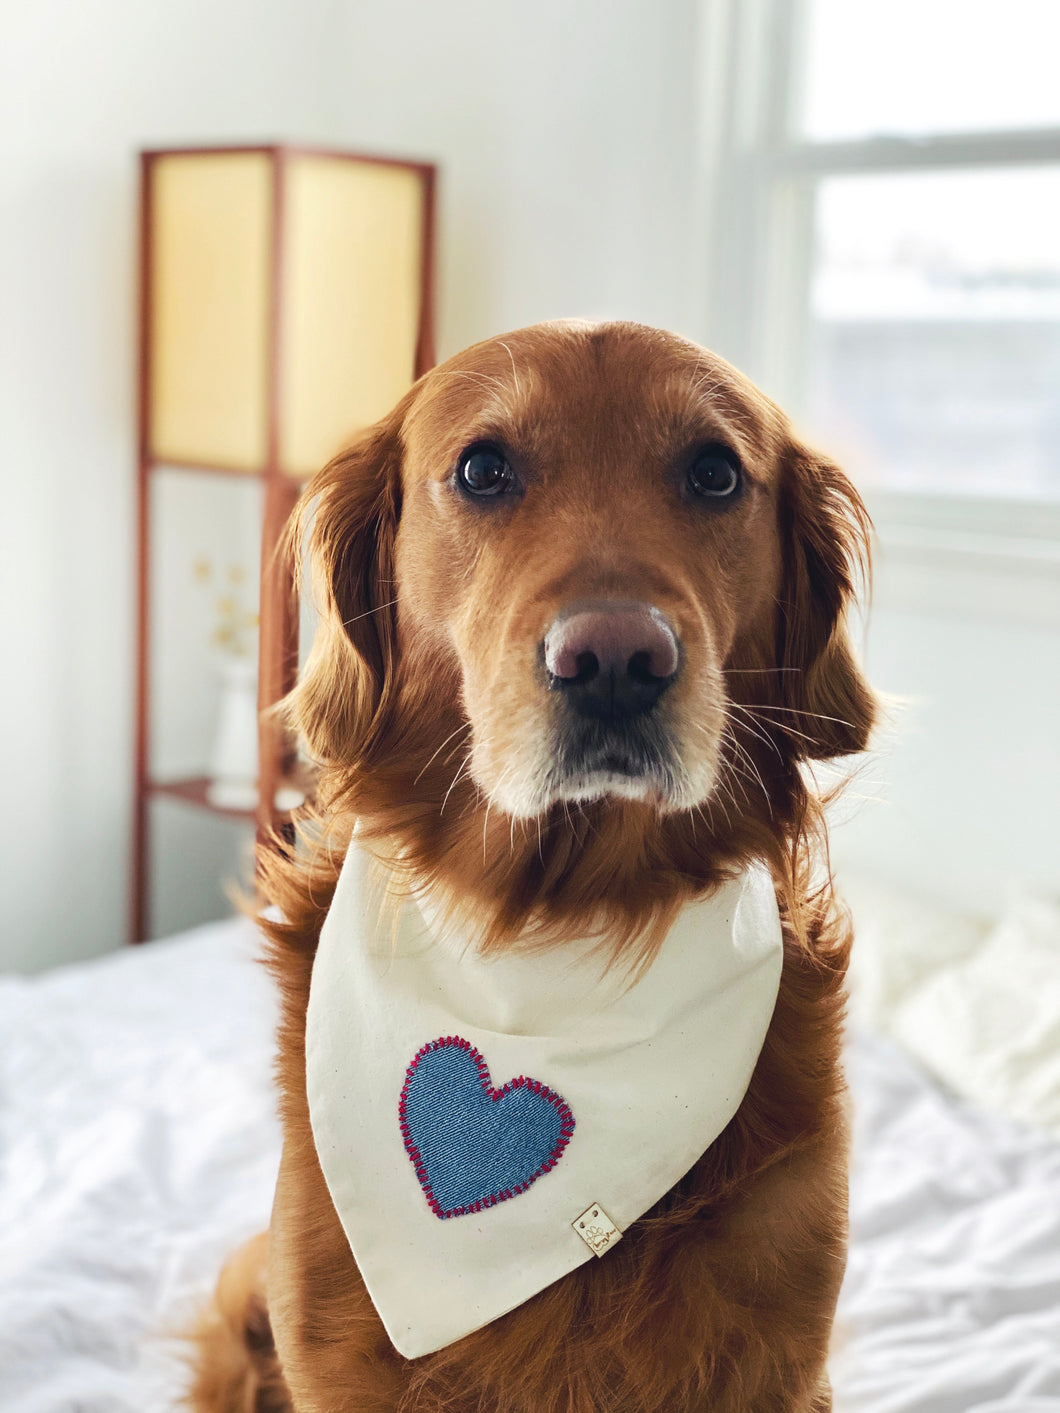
pixel 345 527
pixel 827 548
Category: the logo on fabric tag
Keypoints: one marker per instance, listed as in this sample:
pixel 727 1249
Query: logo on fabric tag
pixel 596 1229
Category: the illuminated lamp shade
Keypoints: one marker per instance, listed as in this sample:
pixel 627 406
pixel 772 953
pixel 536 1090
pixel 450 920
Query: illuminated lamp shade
pixel 285 304
pixel 286 301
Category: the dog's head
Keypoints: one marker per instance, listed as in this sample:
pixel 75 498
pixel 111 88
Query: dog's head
pixel 583 563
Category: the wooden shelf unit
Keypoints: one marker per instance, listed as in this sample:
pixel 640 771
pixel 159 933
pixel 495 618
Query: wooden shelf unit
pixel 193 791
pixel 278 610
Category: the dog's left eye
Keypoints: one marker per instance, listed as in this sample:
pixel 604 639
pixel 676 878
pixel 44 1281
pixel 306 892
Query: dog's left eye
pixel 484 470
pixel 715 473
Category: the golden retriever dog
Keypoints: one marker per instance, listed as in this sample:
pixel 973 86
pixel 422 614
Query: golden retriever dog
pixel 582 636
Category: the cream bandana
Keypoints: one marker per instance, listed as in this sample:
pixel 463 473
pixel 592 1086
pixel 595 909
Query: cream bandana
pixel 485 1126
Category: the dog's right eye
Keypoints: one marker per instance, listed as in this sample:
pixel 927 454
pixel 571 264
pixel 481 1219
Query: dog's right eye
pixel 483 470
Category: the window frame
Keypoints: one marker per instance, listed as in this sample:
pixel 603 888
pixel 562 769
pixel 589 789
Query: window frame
pixel 760 181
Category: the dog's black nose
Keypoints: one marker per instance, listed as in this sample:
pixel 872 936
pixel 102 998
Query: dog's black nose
pixel 611 660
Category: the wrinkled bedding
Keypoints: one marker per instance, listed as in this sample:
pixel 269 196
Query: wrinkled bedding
pixel 139 1143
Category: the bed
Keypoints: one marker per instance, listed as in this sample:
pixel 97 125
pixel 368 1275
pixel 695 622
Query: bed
pixel 139 1144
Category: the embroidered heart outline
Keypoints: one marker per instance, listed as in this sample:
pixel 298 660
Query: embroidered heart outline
pixel 546 1160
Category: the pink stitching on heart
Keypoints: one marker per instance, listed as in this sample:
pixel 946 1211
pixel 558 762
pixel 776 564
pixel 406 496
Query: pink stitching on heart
pixel 521 1082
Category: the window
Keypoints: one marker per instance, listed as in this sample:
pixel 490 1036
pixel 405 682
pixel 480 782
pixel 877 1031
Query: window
pixel 934 331
pixel 885 233
pixel 912 67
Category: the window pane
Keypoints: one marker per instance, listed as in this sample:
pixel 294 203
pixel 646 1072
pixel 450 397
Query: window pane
pixel 916 66
pixel 935 328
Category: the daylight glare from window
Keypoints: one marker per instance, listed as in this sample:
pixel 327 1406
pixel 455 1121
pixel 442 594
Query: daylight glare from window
pixel 934 328
pixel 920 66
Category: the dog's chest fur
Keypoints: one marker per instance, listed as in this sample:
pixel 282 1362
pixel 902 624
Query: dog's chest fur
pixel 762 1210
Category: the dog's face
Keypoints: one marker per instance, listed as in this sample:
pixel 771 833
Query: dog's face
pixel 588 525
pixel 587 548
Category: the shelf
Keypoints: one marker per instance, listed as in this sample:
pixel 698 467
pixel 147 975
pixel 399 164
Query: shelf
pixel 241 473
pixel 192 791
pixel 203 468
pixel 184 212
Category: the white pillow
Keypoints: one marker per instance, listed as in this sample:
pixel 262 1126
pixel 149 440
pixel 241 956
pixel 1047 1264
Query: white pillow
pixel 988 1022
pixel 900 942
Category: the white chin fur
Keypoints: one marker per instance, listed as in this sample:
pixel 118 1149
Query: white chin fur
pixel 581 789
pixel 627 787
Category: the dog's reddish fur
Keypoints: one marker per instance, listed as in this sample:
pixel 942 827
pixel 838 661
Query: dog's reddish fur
pixel 722 1296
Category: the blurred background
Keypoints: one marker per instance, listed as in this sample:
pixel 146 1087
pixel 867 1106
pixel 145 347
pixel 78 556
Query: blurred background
pixel 858 204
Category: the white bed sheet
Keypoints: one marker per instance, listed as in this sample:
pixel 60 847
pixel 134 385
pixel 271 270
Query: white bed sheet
pixel 952 1297
pixel 138 1144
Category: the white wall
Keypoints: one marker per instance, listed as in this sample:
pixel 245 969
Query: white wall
pixel 962 802
pixel 83 85
pixel 564 133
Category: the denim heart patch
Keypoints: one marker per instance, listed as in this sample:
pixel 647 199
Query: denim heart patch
pixel 471 1145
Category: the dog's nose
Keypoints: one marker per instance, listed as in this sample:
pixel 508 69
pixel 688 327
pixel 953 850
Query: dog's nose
pixel 612 660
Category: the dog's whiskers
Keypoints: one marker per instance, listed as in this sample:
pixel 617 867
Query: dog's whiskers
pixel 485 826
pixel 742 755
pixel 471 376
pixel 724 783
pixel 749 726
pixel 464 726
pixel 368 613
pixel 796 711
pixel 464 764
pixel 515 374
pixel 757 671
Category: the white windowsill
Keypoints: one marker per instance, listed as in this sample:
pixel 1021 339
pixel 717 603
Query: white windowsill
pixel 1007 528
pixel 968 557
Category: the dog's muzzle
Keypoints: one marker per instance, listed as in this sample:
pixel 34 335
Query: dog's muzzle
pixel 610 662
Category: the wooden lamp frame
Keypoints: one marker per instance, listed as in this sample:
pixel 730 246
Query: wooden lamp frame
pixel 278 630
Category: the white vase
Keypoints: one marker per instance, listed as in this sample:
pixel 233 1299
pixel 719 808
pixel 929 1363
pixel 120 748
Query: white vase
pixel 234 760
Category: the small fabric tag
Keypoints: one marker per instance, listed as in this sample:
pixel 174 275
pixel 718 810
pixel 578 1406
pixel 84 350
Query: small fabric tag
pixel 596 1229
